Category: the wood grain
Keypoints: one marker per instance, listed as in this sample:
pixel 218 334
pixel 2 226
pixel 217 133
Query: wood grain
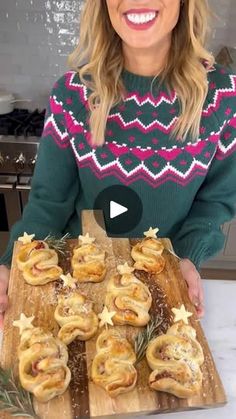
pixel 84 399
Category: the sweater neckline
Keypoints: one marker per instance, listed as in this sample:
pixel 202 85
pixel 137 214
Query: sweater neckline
pixel 135 81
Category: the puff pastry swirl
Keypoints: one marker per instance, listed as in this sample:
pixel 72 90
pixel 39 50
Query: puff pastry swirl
pixel 38 263
pixel 147 255
pixel 175 359
pixel 76 317
pixel 112 367
pixel 129 298
pixel 43 367
pixel 88 263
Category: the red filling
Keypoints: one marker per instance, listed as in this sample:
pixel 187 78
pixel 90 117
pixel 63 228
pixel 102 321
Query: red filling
pixel 40 245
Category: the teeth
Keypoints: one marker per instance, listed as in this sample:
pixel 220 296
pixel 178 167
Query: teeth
pixel 141 17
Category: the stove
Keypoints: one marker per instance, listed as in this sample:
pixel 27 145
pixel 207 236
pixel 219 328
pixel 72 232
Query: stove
pixel 22 122
pixel 20 133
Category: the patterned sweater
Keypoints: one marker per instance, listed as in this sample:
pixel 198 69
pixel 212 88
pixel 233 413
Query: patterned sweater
pixel 187 189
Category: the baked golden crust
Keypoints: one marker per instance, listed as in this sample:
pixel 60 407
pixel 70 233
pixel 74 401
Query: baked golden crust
pixel 129 298
pixel 88 263
pixel 76 317
pixel 147 255
pixel 175 359
pixel 38 263
pixel 43 367
pixel 112 367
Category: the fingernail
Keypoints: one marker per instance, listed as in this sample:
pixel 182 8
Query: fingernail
pixel 196 301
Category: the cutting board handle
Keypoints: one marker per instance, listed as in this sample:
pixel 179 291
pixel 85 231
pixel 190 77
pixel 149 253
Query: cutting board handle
pixel 93 221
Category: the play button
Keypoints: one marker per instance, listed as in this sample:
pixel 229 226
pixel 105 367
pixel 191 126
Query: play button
pixel 122 209
pixel 116 209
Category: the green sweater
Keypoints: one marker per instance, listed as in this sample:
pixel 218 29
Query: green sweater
pixel 187 190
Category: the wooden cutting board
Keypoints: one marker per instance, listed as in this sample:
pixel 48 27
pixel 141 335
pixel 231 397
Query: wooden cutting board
pixel 84 399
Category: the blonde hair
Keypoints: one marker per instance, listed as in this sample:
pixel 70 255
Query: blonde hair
pixel 185 70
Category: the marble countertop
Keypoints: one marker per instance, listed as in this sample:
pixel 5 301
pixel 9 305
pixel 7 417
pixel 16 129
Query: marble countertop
pixel 219 325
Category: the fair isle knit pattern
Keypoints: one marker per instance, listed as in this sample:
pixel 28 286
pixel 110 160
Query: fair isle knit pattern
pixel 187 189
pixel 154 117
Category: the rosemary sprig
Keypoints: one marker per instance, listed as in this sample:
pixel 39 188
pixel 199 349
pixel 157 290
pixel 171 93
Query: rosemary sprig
pixel 143 338
pixel 58 244
pixel 13 398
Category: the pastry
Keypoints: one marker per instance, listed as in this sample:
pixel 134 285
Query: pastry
pixel 38 263
pixel 147 255
pixel 175 359
pixel 88 261
pixel 112 366
pixel 25 251
pixel 129 298
pixel 76 317
pixel 43 367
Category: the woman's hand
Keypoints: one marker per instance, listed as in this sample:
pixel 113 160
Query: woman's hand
pixel 194 282
pixel 4 279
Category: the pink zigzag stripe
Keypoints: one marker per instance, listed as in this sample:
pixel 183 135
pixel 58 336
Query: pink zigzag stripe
pixel 56 107
pixel 51 133
pixel 220 155
pixel 49 124
pixel 142 176
pixel 232 122
pixel 137 124
pixel 221 93
pixel 140 172
pixel 72 125
pixel 169 154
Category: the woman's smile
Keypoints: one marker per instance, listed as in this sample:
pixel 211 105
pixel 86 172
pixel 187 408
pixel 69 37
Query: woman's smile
pixel 140 19
pixel 144 26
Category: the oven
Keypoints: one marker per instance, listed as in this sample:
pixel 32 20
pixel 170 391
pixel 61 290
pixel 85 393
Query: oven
pixel 10 207
pixel 18 154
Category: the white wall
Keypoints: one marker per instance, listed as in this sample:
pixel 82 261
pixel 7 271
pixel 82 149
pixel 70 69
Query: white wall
pixel 224 24
pixel 36 37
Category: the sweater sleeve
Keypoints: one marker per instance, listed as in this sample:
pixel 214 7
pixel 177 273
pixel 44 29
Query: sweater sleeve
pixel 200 236
pixel 55 184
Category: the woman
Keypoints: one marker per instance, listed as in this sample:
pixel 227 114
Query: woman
pixel 162 121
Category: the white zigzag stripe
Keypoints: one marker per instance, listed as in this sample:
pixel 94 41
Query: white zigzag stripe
pixel 224 90
pixel 117 164
pixel 162 99
pixel 145 127
pixel 51 119
pixel 149 100
pixel 129 99
pixel 224 149
pixel 73 74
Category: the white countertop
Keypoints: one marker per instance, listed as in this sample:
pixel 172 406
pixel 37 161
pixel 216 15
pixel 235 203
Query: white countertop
pixel 219 325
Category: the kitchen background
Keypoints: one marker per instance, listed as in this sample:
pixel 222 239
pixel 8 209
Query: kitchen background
pixel 36 37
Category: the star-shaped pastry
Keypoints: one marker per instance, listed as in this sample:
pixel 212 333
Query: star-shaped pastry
pixel 106 317
pixel 24 323
pixel 86 239
pixel 26 238
pixel 181 314
pixel 68 281
pixel 125 269
pixel 152 232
